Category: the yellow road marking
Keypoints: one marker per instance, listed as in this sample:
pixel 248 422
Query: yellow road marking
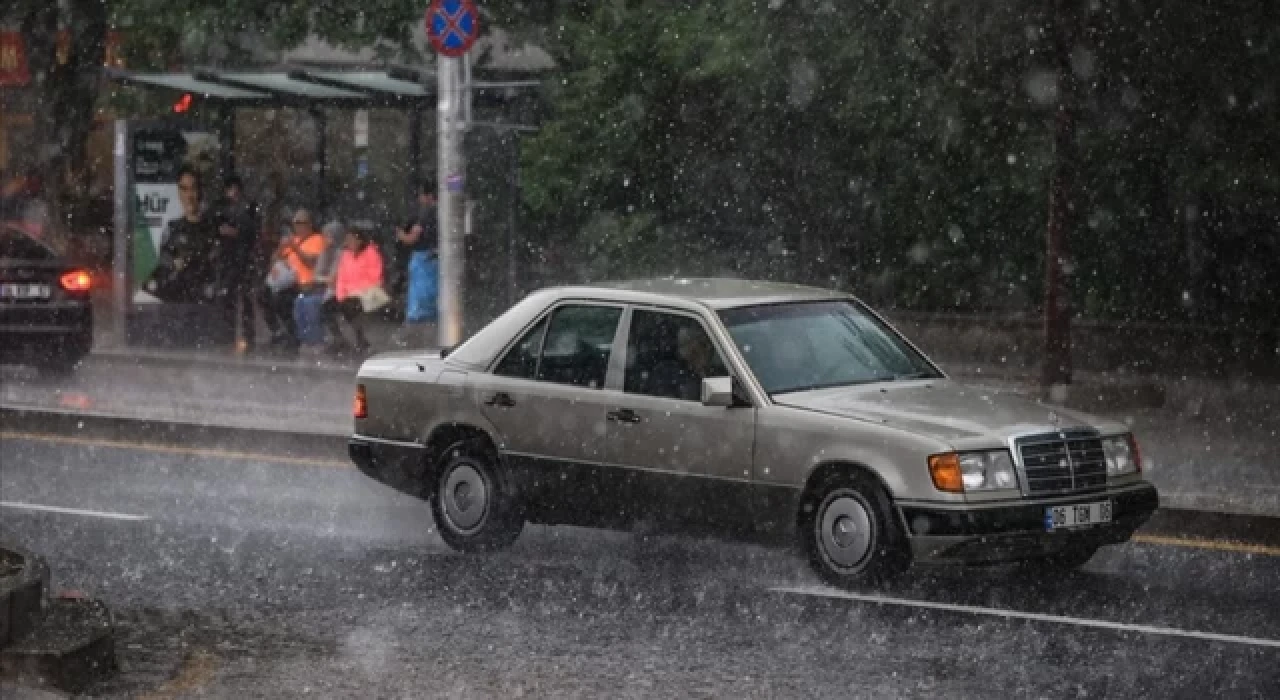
pixel 1219 545
pixel 174 449
pixel 193 675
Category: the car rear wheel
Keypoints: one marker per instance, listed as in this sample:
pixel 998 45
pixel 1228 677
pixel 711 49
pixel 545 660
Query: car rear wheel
pixel 474 504
pixel 850 534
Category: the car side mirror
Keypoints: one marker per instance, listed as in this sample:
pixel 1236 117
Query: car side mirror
pixel 718 391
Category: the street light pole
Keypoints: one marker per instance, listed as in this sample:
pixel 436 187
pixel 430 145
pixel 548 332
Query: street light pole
pixel 452 98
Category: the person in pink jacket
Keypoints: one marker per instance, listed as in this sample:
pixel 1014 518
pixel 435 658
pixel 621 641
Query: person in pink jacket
pixel 357 289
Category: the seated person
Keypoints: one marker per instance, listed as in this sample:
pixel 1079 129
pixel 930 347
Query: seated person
pixel 356 284
pixel 293 270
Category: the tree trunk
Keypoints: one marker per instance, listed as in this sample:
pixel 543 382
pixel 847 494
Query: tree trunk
pixel 1062 207
pixel 66 95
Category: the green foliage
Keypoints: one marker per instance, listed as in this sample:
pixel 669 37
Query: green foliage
pixel 899 147
pixel 160 31
pixel 904 147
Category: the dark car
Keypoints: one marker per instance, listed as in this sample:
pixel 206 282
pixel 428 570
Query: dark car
pixel 46 319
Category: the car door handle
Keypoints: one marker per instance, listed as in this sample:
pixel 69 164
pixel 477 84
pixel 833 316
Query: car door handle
pixel 623 415
pixel 502 399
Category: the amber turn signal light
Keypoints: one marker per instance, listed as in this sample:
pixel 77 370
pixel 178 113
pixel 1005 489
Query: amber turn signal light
pixel 76 281
pixel 945 470
pixel 360 407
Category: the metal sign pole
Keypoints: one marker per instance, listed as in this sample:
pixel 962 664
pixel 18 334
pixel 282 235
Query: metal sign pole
pixel 450 125
pixel 122 234
pixel 452 27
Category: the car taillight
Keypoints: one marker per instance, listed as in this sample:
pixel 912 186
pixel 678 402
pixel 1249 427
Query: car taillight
pixel 1136 453
pixel 360 407
pixel 76 281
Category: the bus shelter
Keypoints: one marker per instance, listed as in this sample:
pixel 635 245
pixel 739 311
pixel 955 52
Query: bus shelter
pixel 148 154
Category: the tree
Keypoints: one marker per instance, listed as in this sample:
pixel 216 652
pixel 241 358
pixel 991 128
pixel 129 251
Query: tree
pixel 1063 198
pixel 67 89
pixel 160 33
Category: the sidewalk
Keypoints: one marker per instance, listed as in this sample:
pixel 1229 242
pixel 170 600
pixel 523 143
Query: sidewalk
pixel 1207 445
pixel 250 393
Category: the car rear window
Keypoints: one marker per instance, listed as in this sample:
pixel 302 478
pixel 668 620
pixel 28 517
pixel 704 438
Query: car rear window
pixel 17 245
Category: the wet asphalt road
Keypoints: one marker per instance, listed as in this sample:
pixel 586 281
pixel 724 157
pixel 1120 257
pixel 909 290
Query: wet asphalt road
pixel 264 577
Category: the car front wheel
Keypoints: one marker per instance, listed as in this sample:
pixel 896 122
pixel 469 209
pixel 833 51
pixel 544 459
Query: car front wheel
pixel 474 504
pixel 850 534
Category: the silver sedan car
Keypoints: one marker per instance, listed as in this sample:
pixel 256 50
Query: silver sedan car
pixel 773 412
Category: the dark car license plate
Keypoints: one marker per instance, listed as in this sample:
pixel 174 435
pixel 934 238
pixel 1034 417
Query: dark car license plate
pixel 24 291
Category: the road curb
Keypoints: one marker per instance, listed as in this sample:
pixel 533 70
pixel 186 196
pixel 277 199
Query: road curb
pixel 72 647
pixel 63 643
pixel 260 365
pixel 22 593
pixel 173 433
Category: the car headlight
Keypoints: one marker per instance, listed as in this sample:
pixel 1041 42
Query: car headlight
pixel 1121 453
pixel 969 472
pixel 987 471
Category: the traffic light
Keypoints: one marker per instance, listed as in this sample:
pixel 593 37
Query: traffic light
pixel 183 104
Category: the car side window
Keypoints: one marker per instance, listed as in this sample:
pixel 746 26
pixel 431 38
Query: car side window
pixel 668 355
pixel 521 361
pixel 578 345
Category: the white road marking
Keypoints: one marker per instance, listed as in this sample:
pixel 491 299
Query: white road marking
pixel 821 592
pixel 73 511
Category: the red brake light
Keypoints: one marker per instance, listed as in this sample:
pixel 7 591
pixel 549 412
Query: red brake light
pixel 1137 452
pixel 360 407
pixel 76 281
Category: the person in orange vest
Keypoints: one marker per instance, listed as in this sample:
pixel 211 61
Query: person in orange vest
pixel 293 271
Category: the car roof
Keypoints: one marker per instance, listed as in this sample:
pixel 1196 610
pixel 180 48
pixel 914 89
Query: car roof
pixel 716 293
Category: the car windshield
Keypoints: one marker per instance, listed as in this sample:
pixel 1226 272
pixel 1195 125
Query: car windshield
pixel 816 345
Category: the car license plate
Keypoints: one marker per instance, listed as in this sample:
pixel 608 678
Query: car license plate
pixel 24 291
pixel 1077 515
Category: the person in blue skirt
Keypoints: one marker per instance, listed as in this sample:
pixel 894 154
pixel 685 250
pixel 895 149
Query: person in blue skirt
pixel 422 239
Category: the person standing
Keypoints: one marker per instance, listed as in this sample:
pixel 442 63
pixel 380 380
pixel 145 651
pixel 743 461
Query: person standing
pixel 239 229
pixel 422 237
pixel 293 270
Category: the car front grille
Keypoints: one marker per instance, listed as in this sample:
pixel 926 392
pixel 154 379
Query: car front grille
pixel 1063 462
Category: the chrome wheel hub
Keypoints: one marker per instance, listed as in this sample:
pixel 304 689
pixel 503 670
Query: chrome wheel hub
pixel 845 531
pixel 465 499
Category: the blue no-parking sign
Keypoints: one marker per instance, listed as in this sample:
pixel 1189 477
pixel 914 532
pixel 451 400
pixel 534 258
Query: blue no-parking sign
pixel 452 26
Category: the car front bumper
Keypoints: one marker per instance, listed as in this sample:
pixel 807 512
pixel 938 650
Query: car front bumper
pixel 989 533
